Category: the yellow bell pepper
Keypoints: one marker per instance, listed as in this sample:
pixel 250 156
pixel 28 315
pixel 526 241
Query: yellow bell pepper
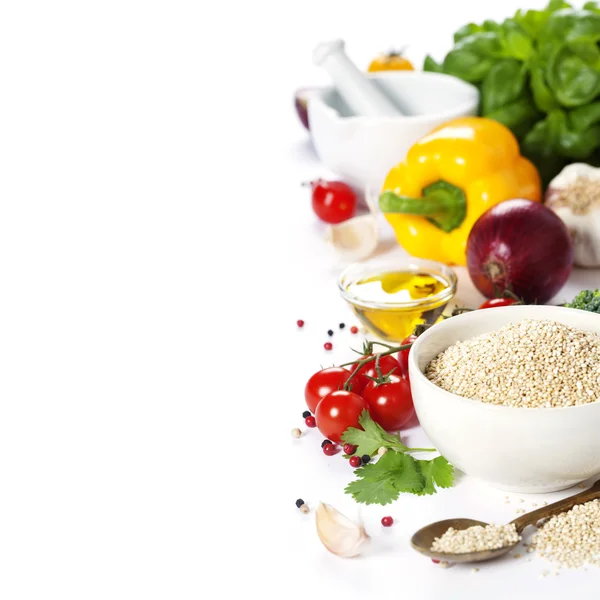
pixel 448 180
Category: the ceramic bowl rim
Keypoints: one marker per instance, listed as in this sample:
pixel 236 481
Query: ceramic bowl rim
pixel 477 404
pixel 459 110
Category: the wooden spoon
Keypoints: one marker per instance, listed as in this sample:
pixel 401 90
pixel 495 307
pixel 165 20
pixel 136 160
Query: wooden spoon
pixel 423 539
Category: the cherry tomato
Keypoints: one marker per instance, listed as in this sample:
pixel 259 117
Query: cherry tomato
pixel 495 302
pixel 403 355
pixel 390 404
pixel 392 61
pixel 338 411
pixel 322 383
pixel 333 201
pixel 361 379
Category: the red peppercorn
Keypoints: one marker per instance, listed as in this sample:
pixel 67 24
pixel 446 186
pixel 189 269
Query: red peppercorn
pixel 330 449
pixel 328 345
pixel 300 323
pixel 349 449
pixel 354 329
pixel 434 560
pixel 355 461
pixel 387 521
pixel 310 421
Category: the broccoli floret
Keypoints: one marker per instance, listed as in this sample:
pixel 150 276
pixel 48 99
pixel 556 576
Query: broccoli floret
pixel 587 300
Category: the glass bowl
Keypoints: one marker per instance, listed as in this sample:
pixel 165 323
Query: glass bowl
pixel 393 316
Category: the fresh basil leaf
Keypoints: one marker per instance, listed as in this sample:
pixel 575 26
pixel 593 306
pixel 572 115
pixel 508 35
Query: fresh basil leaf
pixel 473 56
pixel 502 85
pixel 584 117
pixel 467 30
pixel 573 73
pixel 432 66
pixel 542 94
pixel 519 116
pixel 516 42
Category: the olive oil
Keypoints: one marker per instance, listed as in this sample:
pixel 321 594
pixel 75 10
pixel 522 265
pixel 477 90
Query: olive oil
pixel 392 304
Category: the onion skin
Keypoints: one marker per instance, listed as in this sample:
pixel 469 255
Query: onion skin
pixel 521 246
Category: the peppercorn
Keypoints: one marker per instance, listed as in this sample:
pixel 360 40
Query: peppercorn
pixel 325 442
pixel 353 329
pixel 305 414
pixel 330 332
pixel 304 509
pixel 387 521
pixel 349 449
pixel 296 433
pixel 365 458
pixel 342 325
pixel 328 345
pixel 330 449
pixel 299 502
pixel 310 421
pixel 300 323
pixel 355 461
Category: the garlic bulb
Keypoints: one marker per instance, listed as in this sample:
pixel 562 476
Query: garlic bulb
pixel 357 238
pixel 339 535
pixel 574 195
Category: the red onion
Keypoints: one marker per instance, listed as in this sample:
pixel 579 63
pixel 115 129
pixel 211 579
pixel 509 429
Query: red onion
pixel 301 98
pixel 521 246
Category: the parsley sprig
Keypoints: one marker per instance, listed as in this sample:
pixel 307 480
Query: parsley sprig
pixel 396 471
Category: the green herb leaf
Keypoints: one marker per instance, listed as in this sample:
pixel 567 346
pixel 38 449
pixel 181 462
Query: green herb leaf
pixel 371 437
pixel 438 471
pixel 382 482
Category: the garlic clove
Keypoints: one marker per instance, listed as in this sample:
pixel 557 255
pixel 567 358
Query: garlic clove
pixel 355 238
pixel 338 534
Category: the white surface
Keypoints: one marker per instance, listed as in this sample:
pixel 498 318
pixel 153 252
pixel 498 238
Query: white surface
pixel 150 166
pixel 362 149
pixel 510 448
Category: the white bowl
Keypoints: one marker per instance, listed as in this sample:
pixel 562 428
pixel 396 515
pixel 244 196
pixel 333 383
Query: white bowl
pixel 525 450
pixel 363 149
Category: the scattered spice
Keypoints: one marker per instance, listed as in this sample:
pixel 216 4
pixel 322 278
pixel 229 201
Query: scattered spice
pixel 310 421
pixel 299 502
pixel 342 325
pixel 330 449
pixel 355 461
pixel 527 364
pixel 306 413
pixel 349 449
pixel 354 329
pixel 476 538
pixel 325 442
pixel 300 323
pixel 387 521
pixel 382 450
pixel 328 345
pixel 330 332
pixel 365 458
pixel 305 509
pixel 296 433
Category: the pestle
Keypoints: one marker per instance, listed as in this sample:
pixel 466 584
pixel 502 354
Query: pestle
pixel 362 96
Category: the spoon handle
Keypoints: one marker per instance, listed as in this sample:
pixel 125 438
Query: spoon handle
pixel 557 507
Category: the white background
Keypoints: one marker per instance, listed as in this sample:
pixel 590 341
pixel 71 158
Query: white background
pixel 155 253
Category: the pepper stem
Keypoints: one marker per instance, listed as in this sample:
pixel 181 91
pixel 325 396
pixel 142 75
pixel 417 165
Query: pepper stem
pixel 442 203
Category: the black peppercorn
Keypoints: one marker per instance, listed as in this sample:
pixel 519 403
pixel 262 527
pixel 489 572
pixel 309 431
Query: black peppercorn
pixel 305 414
pixel 299 502
pixel 330 332
pixel 325 442
pixel 365 458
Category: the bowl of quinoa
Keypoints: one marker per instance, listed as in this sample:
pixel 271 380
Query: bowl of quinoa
pixel 512 395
